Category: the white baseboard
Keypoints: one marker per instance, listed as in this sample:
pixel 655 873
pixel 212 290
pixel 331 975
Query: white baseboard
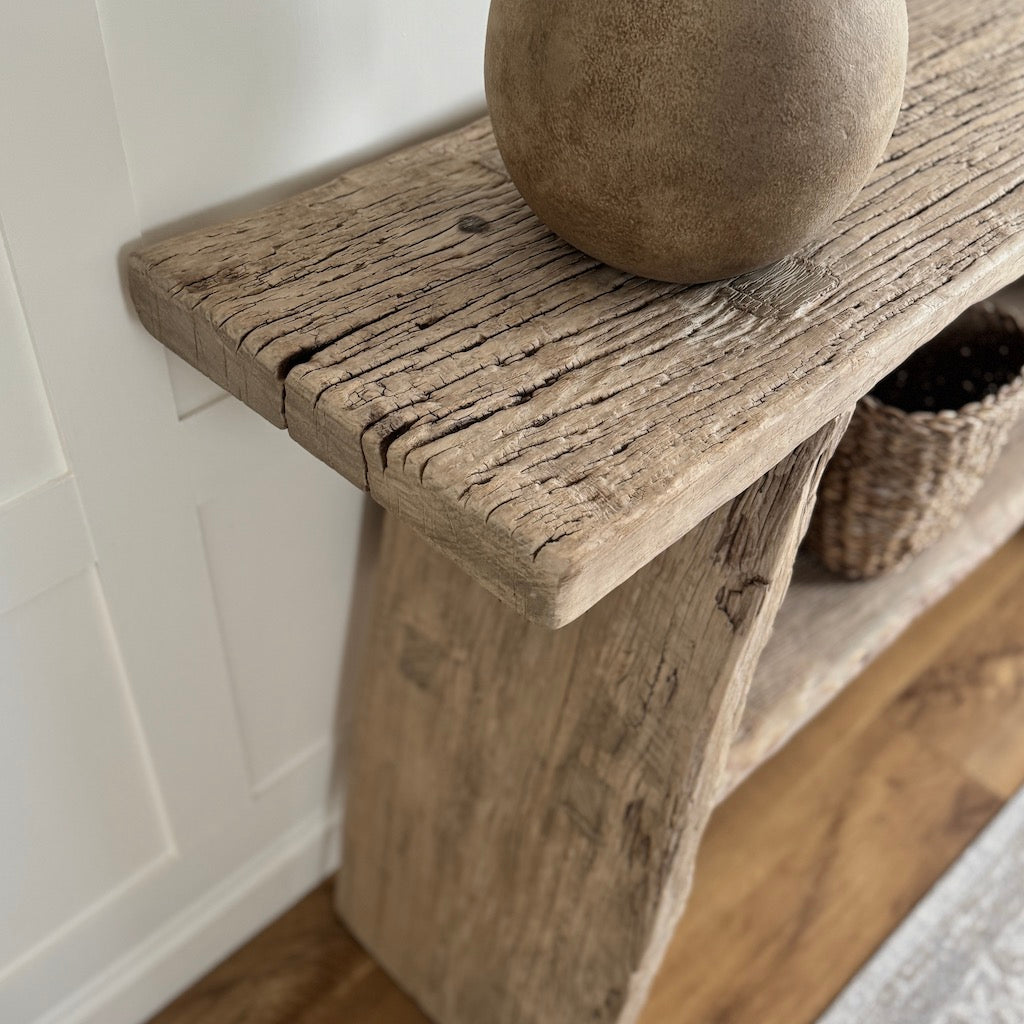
pixel 149 976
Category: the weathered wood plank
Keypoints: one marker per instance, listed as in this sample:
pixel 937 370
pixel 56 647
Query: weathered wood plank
pixel 549 423
pixel 829 629
pixel 523 813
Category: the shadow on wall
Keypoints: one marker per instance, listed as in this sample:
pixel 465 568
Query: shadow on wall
pixel 254 200
pixel 228 105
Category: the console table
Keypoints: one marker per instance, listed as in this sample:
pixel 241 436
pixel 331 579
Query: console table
pixel 597 487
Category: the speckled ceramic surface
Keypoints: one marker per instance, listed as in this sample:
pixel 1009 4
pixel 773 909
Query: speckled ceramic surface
pixel 690 140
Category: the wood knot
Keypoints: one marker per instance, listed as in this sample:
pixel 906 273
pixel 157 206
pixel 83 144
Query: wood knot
pixel 474 225
pixel 736 602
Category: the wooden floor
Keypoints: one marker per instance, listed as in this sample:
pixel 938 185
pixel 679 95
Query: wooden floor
pixel 805 869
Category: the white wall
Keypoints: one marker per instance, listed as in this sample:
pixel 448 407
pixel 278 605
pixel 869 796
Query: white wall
pixel 177 579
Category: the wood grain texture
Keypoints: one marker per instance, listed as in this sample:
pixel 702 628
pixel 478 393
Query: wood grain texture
pixel 765 858
pixel 549 423
pixel 970 706
pixel 821 885
pixel 303 969
pixel 828 628
pixel 522 814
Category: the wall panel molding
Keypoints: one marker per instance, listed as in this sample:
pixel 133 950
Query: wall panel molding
pixel 147 976
pixel 162 494
pixel 44 540
pixel 25 412
pixel 66 220
pixel 80 807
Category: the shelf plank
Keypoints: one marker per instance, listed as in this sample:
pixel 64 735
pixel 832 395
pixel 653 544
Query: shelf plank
pixel 829 629
pixel 552 424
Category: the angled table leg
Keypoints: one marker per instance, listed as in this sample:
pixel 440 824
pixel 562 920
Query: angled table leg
pixel 525 806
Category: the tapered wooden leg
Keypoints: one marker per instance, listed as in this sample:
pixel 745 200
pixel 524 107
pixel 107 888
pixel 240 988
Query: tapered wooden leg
pixel 524 806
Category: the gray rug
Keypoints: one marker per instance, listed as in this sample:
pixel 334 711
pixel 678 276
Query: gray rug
pixel 959 957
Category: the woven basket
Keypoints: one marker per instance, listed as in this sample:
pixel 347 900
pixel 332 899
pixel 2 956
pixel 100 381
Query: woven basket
pixel 911 462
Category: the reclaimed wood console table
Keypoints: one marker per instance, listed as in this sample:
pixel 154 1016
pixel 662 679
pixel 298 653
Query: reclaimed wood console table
pixel 598 485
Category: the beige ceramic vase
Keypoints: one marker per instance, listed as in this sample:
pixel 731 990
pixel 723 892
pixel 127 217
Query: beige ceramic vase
pixel 691 140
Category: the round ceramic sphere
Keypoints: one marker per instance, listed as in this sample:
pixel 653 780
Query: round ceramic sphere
pixel 692 140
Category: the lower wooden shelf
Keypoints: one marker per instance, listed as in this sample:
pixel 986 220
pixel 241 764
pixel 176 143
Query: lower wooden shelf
pixel 829 629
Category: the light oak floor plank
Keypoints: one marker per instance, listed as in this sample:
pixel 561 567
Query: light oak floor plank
pixel 804 870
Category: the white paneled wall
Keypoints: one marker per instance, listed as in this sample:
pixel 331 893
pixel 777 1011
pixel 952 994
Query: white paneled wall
pixel 277 674
pixel 177 578
pixel 32 454
pixel 79 805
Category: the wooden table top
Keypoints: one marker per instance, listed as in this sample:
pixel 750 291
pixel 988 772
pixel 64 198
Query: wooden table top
pixel 553 424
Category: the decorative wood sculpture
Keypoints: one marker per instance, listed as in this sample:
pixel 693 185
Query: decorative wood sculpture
pixel 692 140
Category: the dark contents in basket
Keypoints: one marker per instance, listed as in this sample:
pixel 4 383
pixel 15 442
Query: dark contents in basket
pixel 973 357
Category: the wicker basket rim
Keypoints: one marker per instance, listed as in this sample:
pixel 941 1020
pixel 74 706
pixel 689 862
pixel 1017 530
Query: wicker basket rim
pixel 929 416
pixel 988 309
